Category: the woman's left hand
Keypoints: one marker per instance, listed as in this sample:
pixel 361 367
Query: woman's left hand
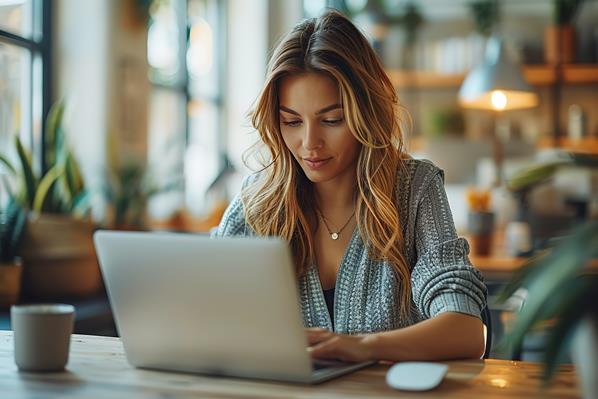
pixel 324 344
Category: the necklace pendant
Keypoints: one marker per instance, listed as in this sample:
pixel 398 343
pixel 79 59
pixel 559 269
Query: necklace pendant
pixel 334 236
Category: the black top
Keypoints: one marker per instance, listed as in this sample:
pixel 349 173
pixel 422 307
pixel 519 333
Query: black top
pixel 329 298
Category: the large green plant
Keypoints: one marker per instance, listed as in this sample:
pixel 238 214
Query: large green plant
pixel 130 183
pixel 128 191
pixel 528 177
pixel 12 226
pixel 557 290
pixel 61 189
pixel 129 188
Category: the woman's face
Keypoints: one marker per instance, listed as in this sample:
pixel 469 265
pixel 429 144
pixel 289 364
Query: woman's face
pixel 314 128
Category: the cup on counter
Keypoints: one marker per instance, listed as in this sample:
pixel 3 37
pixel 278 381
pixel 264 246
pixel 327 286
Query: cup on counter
pixel 42 336
pixel 480 226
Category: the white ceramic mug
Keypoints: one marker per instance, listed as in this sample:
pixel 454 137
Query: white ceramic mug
pixel 42 336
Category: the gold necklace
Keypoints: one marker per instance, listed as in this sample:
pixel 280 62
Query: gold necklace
pixel 335 234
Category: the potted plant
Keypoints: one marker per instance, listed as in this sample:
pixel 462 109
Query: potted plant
pixel 12 225
pixel 57 250
pixel 485 15
pixel 375 16
pixel 130 184
pixel 559 37
pixel 128 190
pixel 561 293
pixel 127 193
pixel 409 19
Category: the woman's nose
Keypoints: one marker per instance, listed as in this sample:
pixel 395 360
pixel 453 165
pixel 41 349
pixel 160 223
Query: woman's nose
pixel 311 137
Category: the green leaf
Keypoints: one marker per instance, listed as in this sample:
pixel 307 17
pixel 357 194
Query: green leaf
pixel 12 225
pixel 68 181
pixel 528 271
pixel 44 187
pixel 575 306
pixel 8 164
pixel 54 132
pixel 558 270
pixel 28 179
pixel 81 204
pixel 18 226
pixel 549 280
pixel 534 174
pixel 72 168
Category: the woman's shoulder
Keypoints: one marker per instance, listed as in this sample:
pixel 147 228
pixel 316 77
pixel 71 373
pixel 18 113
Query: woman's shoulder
pixel 233 221
pixel 414 179
pixel 418 172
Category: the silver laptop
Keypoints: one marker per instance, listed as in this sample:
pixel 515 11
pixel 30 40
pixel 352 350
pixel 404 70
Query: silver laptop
pixel 220 306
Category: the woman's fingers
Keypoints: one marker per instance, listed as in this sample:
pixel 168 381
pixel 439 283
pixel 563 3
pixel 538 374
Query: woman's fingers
pixel 324 344
pixel 315 335
pixel 341 347
pixel 325 349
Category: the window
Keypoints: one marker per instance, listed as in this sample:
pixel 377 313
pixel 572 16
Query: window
pixel 186 48
pixel 24 74
pixel 313 8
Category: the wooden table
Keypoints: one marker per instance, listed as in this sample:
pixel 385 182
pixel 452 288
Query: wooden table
pixel 98 369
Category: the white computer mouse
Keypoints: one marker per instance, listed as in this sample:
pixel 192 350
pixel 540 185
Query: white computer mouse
pixel 416 376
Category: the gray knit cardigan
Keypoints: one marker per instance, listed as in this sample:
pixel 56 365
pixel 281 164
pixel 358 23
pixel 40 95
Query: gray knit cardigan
pixel 442 277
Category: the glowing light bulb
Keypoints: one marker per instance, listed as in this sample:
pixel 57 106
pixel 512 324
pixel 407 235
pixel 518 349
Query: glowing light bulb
pixel 499 100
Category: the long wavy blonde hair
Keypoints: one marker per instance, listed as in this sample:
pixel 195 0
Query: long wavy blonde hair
pixel 280 202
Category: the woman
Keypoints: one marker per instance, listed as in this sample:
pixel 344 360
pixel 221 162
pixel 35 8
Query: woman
pixel 381 272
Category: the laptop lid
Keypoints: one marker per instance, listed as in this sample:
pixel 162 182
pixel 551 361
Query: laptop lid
pixel 192 303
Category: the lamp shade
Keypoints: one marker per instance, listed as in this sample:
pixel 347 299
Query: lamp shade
pixel 497 83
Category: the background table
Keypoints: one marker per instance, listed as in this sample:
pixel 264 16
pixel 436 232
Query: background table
pixel 98 369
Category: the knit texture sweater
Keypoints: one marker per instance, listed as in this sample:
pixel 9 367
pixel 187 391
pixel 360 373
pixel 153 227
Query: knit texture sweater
pixel 366 291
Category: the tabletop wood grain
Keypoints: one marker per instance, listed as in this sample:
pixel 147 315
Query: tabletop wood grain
pixel 98 368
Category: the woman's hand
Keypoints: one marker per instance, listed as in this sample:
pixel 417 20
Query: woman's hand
pixel 324 344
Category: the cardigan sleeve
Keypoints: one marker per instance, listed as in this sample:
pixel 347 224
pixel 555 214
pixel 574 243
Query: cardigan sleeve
pixel 443 279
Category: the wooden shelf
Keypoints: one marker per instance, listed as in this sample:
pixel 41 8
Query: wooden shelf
pixel 423 79
pixel 537 75
pixel 587 145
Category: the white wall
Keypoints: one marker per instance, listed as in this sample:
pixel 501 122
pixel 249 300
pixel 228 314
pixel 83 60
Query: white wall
pixel 81 49
pixel 101 70
pixel 282 16
pixel 246 66
pixel 253 29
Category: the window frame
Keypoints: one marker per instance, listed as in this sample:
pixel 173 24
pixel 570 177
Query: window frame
pixel 182 85
pixel 40 46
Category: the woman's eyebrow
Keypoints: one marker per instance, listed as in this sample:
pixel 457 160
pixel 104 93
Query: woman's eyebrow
pixel 290 111
pixel 328 108
pixel 322 111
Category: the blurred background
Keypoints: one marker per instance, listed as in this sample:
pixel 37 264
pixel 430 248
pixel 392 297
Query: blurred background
pixel 132 114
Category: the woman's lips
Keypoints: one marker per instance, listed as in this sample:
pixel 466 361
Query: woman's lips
pixel 316 163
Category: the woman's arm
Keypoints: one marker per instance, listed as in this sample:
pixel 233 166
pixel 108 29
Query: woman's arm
pixel 449 335
pixel 447 291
